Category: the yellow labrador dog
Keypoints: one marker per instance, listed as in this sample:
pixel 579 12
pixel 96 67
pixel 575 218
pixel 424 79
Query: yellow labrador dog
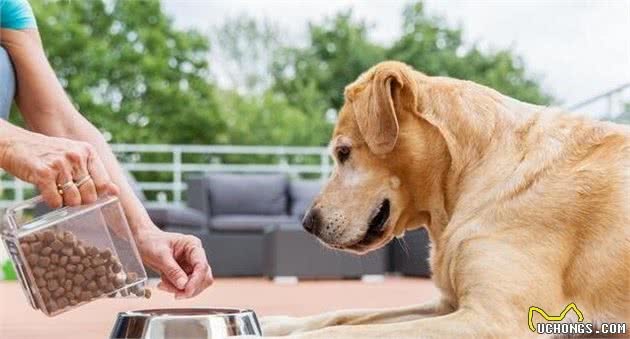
pixel 525 206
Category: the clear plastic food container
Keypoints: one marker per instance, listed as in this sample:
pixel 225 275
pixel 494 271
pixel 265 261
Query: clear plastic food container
pixel 70 256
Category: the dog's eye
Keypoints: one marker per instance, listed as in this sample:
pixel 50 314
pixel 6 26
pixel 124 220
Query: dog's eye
pixel 343 153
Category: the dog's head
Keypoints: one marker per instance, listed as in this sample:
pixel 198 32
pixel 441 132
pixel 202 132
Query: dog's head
pixel 388 163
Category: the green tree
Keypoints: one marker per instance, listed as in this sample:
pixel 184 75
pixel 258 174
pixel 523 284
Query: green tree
pixel 129 71
pixel 431 46
pixel 339 50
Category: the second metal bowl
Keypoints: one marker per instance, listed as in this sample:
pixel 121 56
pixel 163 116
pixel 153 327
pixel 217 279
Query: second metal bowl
pixel 190 323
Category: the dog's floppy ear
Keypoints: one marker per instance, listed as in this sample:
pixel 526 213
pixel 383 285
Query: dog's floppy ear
pixel 374 108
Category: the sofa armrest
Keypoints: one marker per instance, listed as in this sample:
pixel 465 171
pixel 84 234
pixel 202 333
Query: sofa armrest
pixel 197 195
pixel 170 217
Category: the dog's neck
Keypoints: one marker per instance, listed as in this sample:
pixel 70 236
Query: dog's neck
pixel 473 120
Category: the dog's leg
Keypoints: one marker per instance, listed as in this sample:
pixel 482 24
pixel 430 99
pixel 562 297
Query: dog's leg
pixel 463 323
pixel 281 325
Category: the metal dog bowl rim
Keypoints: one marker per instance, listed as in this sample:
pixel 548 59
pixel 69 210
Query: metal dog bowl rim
pixel 181 312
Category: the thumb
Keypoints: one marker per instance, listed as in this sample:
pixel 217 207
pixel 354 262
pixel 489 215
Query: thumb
pixel 173 272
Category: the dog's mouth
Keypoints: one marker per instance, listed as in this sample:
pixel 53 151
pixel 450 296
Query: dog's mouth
pixel 376 226
pixel 375 230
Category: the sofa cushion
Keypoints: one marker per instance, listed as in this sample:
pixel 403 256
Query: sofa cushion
pixel 249 222
pixel 247 194
pixel 302 193
pixel 165 216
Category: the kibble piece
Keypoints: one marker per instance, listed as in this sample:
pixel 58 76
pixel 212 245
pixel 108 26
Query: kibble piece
pixel 59 292
pixel 67 251
pixel 101 271
pixel 97 262
pixel 52 285
pixel 102 282
pixel 119 282
pixel 51 306
pixel 67 285
pixel 44 261
pixel 139 293
pixel 39 272
pixel 39 236
pixel 92 286
pixel 124 293
pixel 73 302
pixel 40 282
pixel 44 293
pixel 106 254
pixel 132 277
pixel 80 250
pixel 63 302
pixel 46 250
pixel 75 259
pixel 89 273
pixel 26 249
pixel 109 287
pixel 29 238
pixel 86 295
pixel 32 259
pixel 49 275
pixel 80 268
pixel 76 290
pixel 37 246
pixel 71 268
pixel 48 236
pixel 60 273
pixel 92 251
pixel 116 266
pixel 54 258
pixel 56 245
pixel 147 293
pixel 69 238
pixel 79 279
pixel 63 260
pixel 86 262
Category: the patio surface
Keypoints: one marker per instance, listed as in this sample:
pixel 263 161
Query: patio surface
pixel 19 321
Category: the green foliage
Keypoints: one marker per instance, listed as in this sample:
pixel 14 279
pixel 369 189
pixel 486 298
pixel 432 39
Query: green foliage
pixel 432 47
pixel 339 50
pixel 129 71
pixel 140 80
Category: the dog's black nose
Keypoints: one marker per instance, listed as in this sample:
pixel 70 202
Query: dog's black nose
pixel 312 221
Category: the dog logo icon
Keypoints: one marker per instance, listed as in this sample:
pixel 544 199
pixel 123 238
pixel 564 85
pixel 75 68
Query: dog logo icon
pixel 547 317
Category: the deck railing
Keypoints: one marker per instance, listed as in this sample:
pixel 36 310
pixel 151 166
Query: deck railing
pixel 175 162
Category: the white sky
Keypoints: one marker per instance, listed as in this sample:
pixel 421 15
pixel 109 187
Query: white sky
pixel 577 48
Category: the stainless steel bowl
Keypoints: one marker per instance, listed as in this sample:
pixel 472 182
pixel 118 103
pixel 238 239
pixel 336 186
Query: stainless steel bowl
pixel 188 323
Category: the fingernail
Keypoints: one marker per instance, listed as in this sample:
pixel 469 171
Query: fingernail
pixel 181 282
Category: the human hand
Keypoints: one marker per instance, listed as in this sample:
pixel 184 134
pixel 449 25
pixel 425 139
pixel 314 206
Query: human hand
pixel 180 260
pixel 66 172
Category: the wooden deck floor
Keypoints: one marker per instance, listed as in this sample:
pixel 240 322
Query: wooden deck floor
pixel 19 321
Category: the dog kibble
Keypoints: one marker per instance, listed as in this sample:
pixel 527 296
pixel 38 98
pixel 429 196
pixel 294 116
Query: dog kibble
pixel 101 271
pixel 49 236
pixel 37 246
pixel 26 249
pixel 68 251
pixel 147 293
pixel 68 272
pixel 46 251
pixel 56 245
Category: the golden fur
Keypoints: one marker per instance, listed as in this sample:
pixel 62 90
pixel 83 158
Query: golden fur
pixel 525 206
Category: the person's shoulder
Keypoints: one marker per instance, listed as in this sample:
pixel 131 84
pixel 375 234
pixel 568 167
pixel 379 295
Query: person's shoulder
pixel 16 14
